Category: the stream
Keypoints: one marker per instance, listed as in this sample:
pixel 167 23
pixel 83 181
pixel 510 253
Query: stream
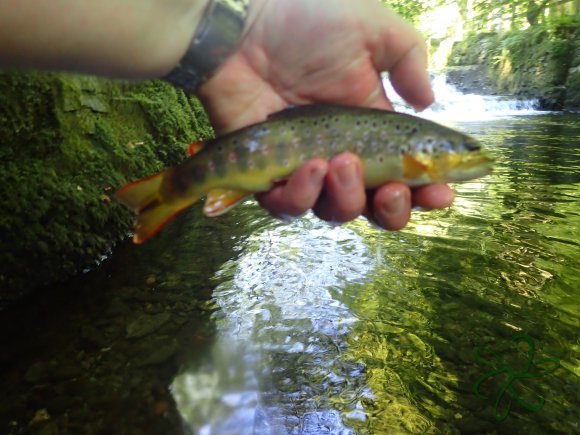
pixel 467 321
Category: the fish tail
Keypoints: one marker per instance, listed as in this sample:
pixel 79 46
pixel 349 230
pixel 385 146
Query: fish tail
pixel 153 211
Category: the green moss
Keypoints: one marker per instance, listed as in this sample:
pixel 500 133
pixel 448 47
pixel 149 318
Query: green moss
pixel 66 143
pixel 573 91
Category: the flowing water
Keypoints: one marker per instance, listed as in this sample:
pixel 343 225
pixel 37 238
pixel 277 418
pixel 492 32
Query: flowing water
pixel 468 321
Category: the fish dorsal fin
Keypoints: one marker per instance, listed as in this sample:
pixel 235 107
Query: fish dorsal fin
pixel 195 147
pixel 413 168
pixel 219 201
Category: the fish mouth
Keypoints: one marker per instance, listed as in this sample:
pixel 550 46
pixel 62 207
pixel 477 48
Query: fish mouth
pixel 472 166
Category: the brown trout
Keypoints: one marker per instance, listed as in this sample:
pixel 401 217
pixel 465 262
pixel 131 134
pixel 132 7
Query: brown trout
pixel 392 146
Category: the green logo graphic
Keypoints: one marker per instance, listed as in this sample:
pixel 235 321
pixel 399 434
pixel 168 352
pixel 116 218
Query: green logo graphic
pixel 499 366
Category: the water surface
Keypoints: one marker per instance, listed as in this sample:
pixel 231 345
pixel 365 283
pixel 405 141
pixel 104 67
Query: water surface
pixel 243 324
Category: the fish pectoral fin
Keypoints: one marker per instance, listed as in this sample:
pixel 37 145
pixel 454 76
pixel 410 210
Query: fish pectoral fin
pixel 413 168
pixel 195 147
pixel 219 201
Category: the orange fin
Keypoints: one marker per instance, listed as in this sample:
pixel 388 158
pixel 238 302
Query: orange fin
pixel 144 198
pixel 413 168
pixel 195 147
pixel 219 201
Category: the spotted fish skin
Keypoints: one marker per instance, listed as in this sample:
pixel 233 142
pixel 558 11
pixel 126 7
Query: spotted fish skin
pixel 392 147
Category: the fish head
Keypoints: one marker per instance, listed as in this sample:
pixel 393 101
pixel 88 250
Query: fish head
pixel 452 157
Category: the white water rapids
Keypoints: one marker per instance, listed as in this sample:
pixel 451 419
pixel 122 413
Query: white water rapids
pixel 452 105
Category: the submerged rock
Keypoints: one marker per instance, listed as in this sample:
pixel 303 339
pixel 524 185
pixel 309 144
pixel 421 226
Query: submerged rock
pixel 146 324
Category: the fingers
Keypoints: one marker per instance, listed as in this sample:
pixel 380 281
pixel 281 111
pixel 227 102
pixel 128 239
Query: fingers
pixel 344 195
pixel 401 51
pixel 411 80
pixel 342 200
pixel 298 194
pixel 335 191
pixel 390 207
pixel 433 196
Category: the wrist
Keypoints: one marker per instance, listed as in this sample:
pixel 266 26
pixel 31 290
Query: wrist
pixel 216 35
pixel 176 36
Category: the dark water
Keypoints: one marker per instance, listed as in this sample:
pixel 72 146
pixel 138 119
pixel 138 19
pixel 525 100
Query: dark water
pixel 243 325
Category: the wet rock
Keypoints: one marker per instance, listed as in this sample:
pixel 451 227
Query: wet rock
pixel 37 372
pixel 160 351
pixel 51 428
pixel 146 324
pixel 87 131
pixel 94 336
pixel 94 103
pixel 63 372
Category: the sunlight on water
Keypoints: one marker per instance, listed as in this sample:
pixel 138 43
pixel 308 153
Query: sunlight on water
pixel 278 306
pixel 450 104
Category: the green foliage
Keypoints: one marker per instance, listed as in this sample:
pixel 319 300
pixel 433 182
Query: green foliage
pixel 476 48
pixel 408 9
pixel 573 91
pixel 564 27
pixel 66 143
pixel 535 61
pixel 519 11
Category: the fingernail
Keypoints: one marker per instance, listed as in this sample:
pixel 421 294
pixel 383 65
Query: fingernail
pixel 396 205
pixel 317 176
pixel 347 175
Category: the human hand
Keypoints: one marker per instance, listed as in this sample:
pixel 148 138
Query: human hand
pixel 329 51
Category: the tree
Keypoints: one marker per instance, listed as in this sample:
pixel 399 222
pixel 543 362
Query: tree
pixel 409 9
pixel 531 10
pixel 534 11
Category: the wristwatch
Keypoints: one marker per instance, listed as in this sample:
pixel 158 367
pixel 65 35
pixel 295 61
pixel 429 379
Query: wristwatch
pixel 215 38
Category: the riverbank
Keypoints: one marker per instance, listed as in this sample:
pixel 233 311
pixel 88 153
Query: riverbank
pixel 67 142
pixel 541 62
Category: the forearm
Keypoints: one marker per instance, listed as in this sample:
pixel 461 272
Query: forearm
pixel 129 38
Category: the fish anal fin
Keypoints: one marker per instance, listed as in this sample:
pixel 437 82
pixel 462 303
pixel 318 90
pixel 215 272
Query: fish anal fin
pixel 413 168
pixel 195 147
pixel 218 201
pixel 151 220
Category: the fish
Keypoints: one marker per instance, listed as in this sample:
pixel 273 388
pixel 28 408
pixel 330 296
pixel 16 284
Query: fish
pixel 392 146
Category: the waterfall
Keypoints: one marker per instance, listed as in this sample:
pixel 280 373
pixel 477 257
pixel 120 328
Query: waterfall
pixel 451 104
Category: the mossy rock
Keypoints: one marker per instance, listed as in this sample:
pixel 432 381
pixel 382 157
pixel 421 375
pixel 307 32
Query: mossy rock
pixel 573 90
pixel 531 63
pixel 66 143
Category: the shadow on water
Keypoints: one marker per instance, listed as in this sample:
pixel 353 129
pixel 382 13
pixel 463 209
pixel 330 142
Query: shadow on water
pixel 98 355
pixel 246 325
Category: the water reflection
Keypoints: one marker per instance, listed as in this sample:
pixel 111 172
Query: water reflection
pixel 281 330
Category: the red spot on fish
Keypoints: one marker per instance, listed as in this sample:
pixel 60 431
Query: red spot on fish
pixel 233 157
